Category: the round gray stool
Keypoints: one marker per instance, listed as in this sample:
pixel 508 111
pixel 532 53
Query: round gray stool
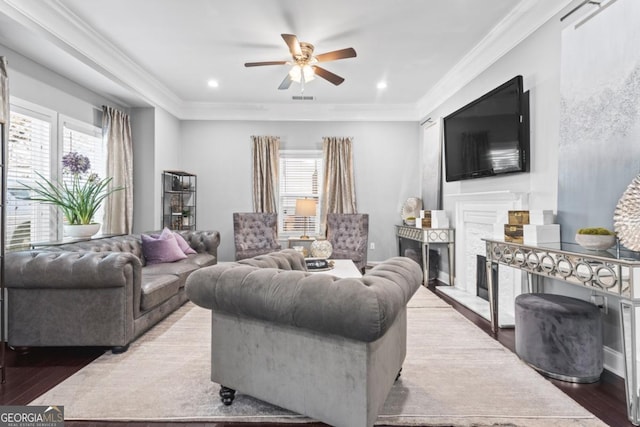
pixel 559 336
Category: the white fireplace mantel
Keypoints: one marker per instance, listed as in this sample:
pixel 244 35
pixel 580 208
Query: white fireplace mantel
pixel 475 216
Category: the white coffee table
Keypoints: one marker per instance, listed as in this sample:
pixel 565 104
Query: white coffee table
pixel 342 268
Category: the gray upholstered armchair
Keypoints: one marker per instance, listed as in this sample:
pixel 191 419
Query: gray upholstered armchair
pixel 255 233
pixel 348 234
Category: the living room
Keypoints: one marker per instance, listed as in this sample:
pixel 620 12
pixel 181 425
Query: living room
pixel 393 147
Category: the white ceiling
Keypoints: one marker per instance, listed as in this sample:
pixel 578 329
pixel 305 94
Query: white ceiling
pixel 163 52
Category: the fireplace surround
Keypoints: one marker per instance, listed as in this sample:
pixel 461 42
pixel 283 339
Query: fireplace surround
pixel 478 216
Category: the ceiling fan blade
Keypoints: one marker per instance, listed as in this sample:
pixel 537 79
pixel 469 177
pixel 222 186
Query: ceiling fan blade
pixel 258 64
pixel 285 83
pixel 327 75
pixel 337 54
pixel 294 45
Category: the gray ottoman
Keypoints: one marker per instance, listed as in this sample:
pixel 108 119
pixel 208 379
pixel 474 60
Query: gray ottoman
pixel 559 336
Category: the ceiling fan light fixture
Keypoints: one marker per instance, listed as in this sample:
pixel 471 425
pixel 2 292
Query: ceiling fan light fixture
pixel 295 73
pixel 308 73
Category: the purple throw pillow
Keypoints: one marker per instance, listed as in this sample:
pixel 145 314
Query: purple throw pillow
pixel 162 249
pixel 183 244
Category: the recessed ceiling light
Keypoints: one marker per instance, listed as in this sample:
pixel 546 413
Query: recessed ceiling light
pixel 212 83
pixel 382 85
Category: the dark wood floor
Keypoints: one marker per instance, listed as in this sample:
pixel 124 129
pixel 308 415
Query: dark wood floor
pixel 30 375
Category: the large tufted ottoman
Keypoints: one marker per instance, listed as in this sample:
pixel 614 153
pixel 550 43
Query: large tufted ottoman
pixel 559 336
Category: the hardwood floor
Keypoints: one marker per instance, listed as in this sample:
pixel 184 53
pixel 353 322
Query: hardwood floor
pixel 29 375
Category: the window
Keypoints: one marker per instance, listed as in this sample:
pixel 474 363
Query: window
pixel 29 152
pixel 33 149
pixel 300 177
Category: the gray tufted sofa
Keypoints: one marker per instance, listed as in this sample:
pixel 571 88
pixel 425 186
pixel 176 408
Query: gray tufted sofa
pixel 98 292
pixel 312 343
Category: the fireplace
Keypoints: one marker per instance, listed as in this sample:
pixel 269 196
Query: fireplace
pixel 476 216
pixel 481 277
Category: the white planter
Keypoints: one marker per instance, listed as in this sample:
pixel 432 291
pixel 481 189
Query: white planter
pixel 596 242
pixel 81 230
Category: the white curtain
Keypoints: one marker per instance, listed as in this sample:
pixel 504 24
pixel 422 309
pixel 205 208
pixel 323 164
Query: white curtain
pixel 339 190
pixel 118 212
pixel 266 153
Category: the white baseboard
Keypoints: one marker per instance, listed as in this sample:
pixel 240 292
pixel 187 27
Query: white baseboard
pixel 613 361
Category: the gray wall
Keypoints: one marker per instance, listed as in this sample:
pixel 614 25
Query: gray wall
pixel 386 162
pixel 32 82
pixel 143 136
pixel 538 60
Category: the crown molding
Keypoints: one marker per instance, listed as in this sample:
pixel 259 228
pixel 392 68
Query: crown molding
pixel 299 112
pixel 58 25
pixel 519 24
pixel 53 21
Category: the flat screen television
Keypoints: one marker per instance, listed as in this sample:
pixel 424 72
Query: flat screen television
pixel 489 136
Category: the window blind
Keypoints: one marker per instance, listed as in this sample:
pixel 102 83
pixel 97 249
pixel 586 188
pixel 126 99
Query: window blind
pixel 86 140
pixel 28 151
pixel 300 177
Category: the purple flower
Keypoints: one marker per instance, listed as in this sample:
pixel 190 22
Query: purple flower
pixel 75 163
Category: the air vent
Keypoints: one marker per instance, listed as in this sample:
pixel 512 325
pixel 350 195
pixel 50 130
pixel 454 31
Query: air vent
pixel 302 98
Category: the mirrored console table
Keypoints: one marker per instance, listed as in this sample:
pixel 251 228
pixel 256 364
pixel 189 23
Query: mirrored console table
pixel 427 236
pixel 613 273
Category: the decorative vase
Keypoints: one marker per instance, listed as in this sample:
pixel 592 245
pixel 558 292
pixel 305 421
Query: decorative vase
pixel 81 230
pixel 596 242
pixel 321 249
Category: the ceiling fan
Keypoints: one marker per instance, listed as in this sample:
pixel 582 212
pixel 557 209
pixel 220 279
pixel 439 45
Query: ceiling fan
pixel 304 62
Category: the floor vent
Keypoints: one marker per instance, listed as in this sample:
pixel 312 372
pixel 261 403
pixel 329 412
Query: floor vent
pixel 302 98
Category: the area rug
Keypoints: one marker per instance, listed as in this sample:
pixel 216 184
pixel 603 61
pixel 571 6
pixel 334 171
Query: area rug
pixel 454 375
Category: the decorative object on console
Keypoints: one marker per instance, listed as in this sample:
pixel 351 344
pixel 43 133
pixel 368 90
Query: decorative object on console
pixel 432 219
pixel 529 227
pixel 596 238
pixel 626 218
pixel 321 248
pixel 79 196
pixel 411 209
pixel 536 234
pixel 410 220
pixel 306 208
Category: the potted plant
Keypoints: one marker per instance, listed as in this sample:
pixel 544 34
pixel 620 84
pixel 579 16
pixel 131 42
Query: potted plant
pixel 595 238
pixel 78 197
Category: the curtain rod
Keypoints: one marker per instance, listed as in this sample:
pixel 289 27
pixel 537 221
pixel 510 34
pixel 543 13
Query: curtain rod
pixel 578 7
pixel 594 13
pixel 427 120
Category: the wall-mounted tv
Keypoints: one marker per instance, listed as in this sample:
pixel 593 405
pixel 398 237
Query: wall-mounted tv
pixel 489 136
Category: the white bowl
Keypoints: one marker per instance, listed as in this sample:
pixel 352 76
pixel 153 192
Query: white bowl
pixel 596 242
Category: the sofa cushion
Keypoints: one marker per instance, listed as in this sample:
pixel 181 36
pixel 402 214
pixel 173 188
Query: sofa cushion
pixel 162 249
pixel 157 288
pixel 181 269
pixel 184 246
pixel 201 260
